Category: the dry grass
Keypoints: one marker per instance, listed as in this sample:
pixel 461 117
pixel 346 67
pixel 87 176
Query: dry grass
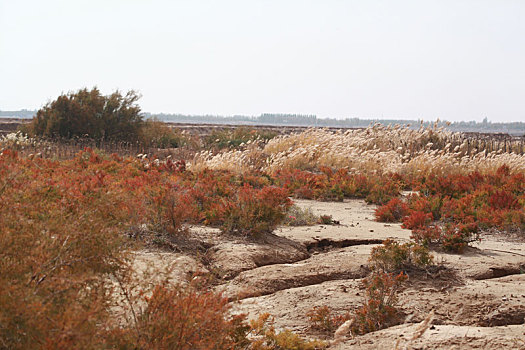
pixel 63 149
pixel 377 149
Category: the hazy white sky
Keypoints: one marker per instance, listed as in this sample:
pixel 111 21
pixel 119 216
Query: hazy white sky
pixel 456 60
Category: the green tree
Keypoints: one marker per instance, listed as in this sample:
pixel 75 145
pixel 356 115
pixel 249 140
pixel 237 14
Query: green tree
pixel 88 112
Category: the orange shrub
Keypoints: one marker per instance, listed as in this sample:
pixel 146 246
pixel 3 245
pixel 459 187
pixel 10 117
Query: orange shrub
pixel 322 318
pixel 417 220
pixel 176 318
pixel 255 211
pixel 393 211
pixel 379 309
pixel 383 191
pixel 455 238
pixel 60 233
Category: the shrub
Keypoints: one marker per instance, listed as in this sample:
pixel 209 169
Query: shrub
pixel 417 220
pixel 514 220
pixel 113 117
pixel 255 211
pixel 427 235
pixel 322 318
pixel 455 238
pixel 392 256
pixel 60 234
pixel 296 216
pixel 424 204
pixel 327 220
pixel 183 318
pixel 454 241
pixel 61 239
pixel 265 337
pixel 503 200
pixel 379 309
pixel 175 207
pixel 393 211
pixel 382 192
pixel 155 133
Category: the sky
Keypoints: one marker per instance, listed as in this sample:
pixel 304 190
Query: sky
pixel 449 59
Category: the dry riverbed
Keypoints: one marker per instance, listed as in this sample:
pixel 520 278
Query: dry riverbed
pixel 478 301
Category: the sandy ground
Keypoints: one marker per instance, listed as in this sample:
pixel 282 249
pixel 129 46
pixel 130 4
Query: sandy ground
pixel 356 223
pixel 440 337
pixel 478 299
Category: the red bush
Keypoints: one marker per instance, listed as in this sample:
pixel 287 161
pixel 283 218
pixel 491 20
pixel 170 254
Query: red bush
pixel 503 200
pixel 393 211
pixel 417 220
pixel 427 235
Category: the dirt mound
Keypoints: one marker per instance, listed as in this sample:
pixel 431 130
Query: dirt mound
pixel 346 263
pixel 289 306
pixel 504 316
pixel 228 259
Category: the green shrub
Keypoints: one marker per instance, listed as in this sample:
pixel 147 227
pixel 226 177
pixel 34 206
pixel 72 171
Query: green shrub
pixel 392 256
pixel 327 220
pixel 87 113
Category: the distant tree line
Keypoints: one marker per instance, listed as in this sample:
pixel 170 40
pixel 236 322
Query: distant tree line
pixel 22 114
pixel 513 128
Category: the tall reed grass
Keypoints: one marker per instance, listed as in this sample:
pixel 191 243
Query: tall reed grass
pixel 376 149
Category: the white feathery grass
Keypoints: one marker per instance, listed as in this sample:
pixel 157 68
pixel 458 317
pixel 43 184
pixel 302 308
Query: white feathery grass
pixel 376 149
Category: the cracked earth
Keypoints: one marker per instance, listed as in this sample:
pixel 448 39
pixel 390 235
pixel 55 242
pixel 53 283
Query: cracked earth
pixel 478 300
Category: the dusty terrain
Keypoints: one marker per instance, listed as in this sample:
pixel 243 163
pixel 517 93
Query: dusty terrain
pixel 478 298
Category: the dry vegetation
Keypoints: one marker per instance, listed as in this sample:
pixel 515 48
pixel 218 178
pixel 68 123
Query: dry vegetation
pixel 377 149
pixel 71 224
